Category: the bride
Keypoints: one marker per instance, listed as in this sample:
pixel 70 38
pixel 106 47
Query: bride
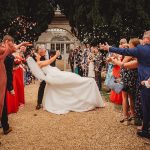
pixel 65 91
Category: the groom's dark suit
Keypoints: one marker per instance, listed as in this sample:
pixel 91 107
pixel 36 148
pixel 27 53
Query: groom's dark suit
pixel 142 53
pixel 41 88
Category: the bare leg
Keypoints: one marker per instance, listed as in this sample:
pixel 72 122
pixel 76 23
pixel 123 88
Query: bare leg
pixel 132 105
pixel 125 107
pixel 125 104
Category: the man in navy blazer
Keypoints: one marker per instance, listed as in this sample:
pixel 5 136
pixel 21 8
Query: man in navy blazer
pixel 142 53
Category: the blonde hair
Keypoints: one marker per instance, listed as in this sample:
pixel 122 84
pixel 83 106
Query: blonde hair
pixel 135 41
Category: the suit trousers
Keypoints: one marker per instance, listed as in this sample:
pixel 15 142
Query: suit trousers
pixel 145 96
pixel 4 119
pixel 41 92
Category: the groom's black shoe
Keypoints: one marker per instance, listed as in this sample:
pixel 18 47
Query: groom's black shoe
pixel 144 134
pixel 38 107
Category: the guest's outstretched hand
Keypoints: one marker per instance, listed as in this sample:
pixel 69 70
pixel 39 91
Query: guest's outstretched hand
pixel 26 44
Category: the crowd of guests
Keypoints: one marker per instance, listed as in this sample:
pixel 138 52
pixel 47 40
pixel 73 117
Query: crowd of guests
pixel 131 63
pixel 124 67
pixel 88 62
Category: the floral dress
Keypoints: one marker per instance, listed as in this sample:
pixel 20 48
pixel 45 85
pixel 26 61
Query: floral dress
pixel 129 79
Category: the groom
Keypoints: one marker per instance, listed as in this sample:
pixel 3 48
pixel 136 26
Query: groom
pixel 142 53
pixel 42 52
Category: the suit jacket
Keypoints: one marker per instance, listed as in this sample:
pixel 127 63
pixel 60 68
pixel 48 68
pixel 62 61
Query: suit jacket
pixel 3 79
pixel 142 53
pixel 9 62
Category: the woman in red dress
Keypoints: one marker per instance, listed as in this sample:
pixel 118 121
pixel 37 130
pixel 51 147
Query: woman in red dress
pixel 115 97
pixel 18 81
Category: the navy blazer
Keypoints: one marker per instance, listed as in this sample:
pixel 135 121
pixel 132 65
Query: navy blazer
pixel 142 53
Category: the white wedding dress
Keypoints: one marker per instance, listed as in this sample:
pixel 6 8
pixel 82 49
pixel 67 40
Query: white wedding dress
pixel 66 91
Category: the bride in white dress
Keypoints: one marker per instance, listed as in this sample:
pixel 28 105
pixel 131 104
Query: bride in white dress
pixel 66 91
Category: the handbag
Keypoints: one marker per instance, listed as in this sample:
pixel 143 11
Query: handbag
pixel 115 84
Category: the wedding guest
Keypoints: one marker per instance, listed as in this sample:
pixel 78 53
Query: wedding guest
pixel 12 101
pixel 116 98
pixel 98 64
pixel 129 78
pixel 79 61
pixel 142 53
pixel 18 72
pixel 86 53
pixel 6 48
pixel 71 60
pixel 75 53
pixel 22 52
pixel 91 72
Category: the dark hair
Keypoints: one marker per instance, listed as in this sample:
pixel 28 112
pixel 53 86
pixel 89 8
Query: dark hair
pixel 8 37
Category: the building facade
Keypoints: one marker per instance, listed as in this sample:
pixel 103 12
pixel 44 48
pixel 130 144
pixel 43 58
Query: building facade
pixel 58 36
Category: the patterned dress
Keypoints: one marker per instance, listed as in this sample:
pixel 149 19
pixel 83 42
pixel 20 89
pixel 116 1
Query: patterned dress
pixel 85 62
pixel 91 72
pixel 138 103
pixel 78 62
pixel 129 79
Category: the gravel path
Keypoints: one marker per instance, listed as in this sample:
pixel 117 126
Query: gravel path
pixel 95 130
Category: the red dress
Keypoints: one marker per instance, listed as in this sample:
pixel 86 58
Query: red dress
pixel 19 85
pixel 19 81
pixel 114 97
pixel 11 100
pixel 12 103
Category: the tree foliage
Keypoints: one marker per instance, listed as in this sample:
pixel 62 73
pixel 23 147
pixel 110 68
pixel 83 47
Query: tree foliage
pixel 91 20
pixel 107 20
pixel 24 20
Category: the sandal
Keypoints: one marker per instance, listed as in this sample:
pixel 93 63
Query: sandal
pixel 125 121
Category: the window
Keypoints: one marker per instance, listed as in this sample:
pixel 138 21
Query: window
pixel 52 46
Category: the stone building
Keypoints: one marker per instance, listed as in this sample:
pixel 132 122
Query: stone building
pixel 58 36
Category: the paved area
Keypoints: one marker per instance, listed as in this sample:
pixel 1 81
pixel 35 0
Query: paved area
pixel 94 130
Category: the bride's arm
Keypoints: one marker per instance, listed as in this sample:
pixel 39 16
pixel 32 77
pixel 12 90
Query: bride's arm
pixel 48 62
